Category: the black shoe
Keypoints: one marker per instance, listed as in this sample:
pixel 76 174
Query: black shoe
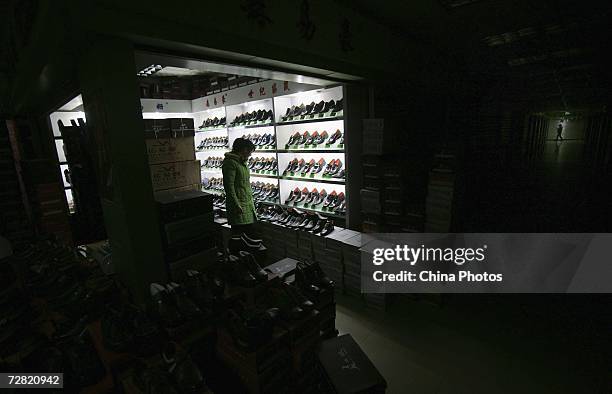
pixel 250 240
pixel 327 228
pixel 249 261
pixel 328 106
pixel 311 224
pixel 318 227
pixel 339 106
pixel 304 280
pixel 239 273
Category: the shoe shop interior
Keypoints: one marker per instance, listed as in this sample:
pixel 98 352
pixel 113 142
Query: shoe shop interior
pixel 186 203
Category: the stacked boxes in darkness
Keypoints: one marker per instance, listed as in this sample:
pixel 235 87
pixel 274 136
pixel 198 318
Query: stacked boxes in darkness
pixel 272 237
pixel 287 363
pixel 188 230
pixel 392 197
pixel 440 193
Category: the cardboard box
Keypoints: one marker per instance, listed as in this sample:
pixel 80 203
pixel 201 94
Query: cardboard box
pixel 173 175
pixel 169 150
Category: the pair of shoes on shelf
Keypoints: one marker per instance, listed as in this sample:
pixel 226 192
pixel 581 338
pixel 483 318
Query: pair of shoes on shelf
pixel 212 122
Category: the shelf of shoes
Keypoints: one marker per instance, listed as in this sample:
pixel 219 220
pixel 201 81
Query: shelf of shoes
pixel 252 114
pixel 277 144
pixel 312 167
pixel 263 138
pixel 263 164
pixel 264 191
pixel 330 202
pixel 210 120
pixel 327 136
pixel 212 141
pixel 213 185
pixel 310 106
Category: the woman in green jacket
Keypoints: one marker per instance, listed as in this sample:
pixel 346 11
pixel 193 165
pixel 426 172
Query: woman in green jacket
pixel 237 185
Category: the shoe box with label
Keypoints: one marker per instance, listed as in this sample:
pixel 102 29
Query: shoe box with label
pixel 347 368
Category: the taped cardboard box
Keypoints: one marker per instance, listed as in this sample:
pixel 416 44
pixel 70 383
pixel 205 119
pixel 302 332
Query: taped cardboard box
pixel 170 150
pixel 174 175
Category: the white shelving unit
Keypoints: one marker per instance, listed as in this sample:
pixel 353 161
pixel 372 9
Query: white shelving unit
pixel 278 127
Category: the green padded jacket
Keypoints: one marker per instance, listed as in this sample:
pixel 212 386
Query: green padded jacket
pixel 238 193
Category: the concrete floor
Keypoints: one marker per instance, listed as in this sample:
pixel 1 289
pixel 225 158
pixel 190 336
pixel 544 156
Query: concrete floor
pixel 479 345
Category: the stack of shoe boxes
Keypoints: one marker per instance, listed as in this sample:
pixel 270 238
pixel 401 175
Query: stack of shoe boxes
pixel 440 193
pixel 305 245
pixel 290 241
pixel 272 237
pixel 351 255
pixel 327 252
pixel 187 229
pixel 377 301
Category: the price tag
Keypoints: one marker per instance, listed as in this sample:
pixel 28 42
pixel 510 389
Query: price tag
pixel 302 174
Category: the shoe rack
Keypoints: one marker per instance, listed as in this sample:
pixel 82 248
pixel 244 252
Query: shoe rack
pixel 299 140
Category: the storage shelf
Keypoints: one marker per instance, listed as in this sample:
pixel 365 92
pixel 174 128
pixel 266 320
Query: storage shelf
pixel 336 181
pixel 264 175
pixel 211 191
pixel 265 202
pixel 332 150
pixel 314 120
pixel 211 129
pixel 250 126
pixel 211 150
pixel 324 213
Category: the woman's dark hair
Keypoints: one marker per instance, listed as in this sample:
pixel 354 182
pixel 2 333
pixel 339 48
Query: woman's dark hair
pixel 241 144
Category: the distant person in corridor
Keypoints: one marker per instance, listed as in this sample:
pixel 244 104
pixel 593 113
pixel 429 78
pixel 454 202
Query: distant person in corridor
pixel 560 132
